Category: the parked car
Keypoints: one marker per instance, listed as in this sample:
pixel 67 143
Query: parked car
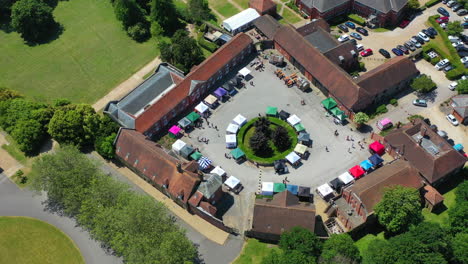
pixel 465 19
pixel 464 38
pixel 464 60
pixel 404 23
pixel 445 1
pixel 424 36
pixel 456 44
pixel 402 48
pixel 452 86
pixel 457 7
pixel 366 52
pixel 353 41
pixel 359 47
pixel 452 120
pixel 465 25
pixel 432 31
pixel 415 42
pixel 397 52
pixel 448 68
pixel 443 19
pixel 444 11
pixel 350 25
pixel 453 38
pixel 356 35
pixel 343 28
pixel 362 31
pixel 462 12
pixel 420 102
pixel 419 39
pixel 450 4
pixel 409 45
pixel 343 38
pixel 384 53
pixel 429 34
pixel 442 64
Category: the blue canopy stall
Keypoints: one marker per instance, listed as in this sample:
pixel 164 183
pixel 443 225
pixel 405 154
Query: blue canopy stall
pixel 366 165
pixel 375 160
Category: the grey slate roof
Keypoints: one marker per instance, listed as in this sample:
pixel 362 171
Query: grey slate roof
pixel 322 40
pixel 210 185
pixel 460 105
pixel 267 25
pixel 384 6
pixel 323 5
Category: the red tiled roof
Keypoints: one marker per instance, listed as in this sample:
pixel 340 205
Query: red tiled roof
pixel 153 162
pixel 262 5
pixel 432 167
pixel 281 213
pixel 196 198
pixel 203 72
pixel 371 187
pixel 432 195
pixel 337 81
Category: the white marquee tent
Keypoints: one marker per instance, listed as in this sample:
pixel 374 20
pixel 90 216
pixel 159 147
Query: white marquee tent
pixel 178 146
pixel 239 120
pixel 240 21
pixel 218 170
pixel 267 188
pixel 231 141
pixel 293 120
pixel 232 128
pixel 293 157
pixel 346 178
pixel 325 190
pixel 244 72
pixel 232 182
pixel 201 108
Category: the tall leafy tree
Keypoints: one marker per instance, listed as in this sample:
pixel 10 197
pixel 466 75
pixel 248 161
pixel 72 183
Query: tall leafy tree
pixel 29 135
pixel 301 240
pixel 165 13
pixel 339 249
pixel 33 19
pixel 458 217
pixel 281 138
pixel 259 143
pixel 262 125
pixel 423 84
pixel 128 12
pixel 184 51
pixel 454 28
pixel 462 87
pixel 399 208
pixel 459 247
pixel 199 10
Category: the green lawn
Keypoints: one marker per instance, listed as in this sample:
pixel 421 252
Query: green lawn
pixel 254 251
pixel 243 3
pixel 441 218
pixel 224 7
pixel 90 57
pixel 30 241
pixel 364 242
pixel 289 17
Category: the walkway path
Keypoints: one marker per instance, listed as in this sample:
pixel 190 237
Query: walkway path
pixel 236 5
pixel 7 163
pixel 123 88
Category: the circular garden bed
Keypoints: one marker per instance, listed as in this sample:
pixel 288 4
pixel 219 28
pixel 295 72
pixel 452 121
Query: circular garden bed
pixel 271 153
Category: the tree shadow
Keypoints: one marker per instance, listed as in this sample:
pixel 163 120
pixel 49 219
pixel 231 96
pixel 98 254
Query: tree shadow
pixel 224 205
pixel 53 34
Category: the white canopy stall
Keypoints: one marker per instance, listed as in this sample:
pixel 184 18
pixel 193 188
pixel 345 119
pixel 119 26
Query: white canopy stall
pixel 201 108
pixel 178 146
pixel 325 190
pixel 232 182
pixel 293 158
pixel 346 178
pixel 232 128
pixel 293 120
pixel 240 21
pixel 239 120
pixel 219 171
pixel 231 141
pixel 244 72
pixel 267 188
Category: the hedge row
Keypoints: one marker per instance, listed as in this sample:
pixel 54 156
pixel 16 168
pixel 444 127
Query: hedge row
pixel 357 19
pixel 212 47
pixel 432 3
pixel 453 56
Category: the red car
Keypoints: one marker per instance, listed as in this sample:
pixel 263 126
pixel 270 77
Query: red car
pixel 404 23
pixel 441 20
pixel 366 52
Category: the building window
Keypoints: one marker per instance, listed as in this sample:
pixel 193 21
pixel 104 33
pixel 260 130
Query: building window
pixel 118 149
pixel 127 156
pixel 136 162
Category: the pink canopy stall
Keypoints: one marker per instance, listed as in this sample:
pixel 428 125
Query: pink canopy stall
pixel 356 171
pixel 377 147
pixel 384 123
pixel 174 130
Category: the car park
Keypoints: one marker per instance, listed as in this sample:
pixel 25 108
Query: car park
pixel 362 31
pixel 432 31
pixel 355 35
pixel 448 68
pixel 452 120
pixel 424 36
pixel 443 19
pixel 366 52
pixel 442 64
pixel 343 38
pixel 457 7
pixel 343 28
pixel 462 12
pixel 402 48
pixel 444 11
pixel 452 86
pixel 397 52
pixel 428 33
pixel 384 53
pixel 420 102
pixel 350 25
pixel 409 45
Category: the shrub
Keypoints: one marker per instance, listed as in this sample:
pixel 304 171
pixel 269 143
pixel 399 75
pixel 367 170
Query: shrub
pixel 426 57
pixel 432 3
pixel 413 117
pixel 455 74
pixel 212 47
pixel 138 32
pixel 357 19
pixel 362 66
pixel 382 109
pixel 361 118
pixel 394 102
pixel 435 60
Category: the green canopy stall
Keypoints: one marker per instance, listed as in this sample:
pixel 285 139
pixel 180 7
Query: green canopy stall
pixel 329 103
pixel 299 127
pixel 279 187
pixel 237 153
pixel 193 117
pixel 196 155
pixel 272 111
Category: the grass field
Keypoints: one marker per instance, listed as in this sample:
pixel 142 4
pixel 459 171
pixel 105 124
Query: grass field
pixel 441 218
pixel 30 241
pixel 90 57
pixel 243 3
pixel 224 7
pixel 364 242
pixel 254 251
pixel 289 17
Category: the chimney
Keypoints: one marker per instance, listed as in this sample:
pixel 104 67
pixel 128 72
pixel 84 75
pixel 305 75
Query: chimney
pixel 420 141
pixel 342 59
pixel 179 167
pixel 423 131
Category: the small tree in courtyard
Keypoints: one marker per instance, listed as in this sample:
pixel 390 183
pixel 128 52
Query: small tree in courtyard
pixel 360 118
pixel 399 208
pixel 281 138
pixel 413 4
pixel 423 84
pixel 302 240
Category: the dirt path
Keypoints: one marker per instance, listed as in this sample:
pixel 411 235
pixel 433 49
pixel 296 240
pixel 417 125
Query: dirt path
pixel 8 164
pixel 236 5
pixel 123 88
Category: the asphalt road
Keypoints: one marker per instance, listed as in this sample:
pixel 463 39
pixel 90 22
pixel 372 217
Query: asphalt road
pixel 17 202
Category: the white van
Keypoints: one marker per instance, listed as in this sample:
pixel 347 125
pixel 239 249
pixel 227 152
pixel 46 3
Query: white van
pixel 453 39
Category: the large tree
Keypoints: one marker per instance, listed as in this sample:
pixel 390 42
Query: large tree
pixel 165 13
pixel 128 12
pixel 183 52
pixel 339 249
pixel 301 240
pixel 423 84
pixel 262 125
pixel 462 87
pixel 458 217
pixel 459 246
pixel 399 208
pixel 199 10
pixel 454 28
pixel 7 94
pixel 33 19
pixel 360 118
pixel 281 138
pixel 29 135
pixel 259 143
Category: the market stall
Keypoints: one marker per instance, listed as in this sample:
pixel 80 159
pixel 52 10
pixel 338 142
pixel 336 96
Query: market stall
pixel 304 192
pixel 280 166
pixel 244 72
pixel 204 163
pixel 220 93
pixel 196 155
pixel 174 131
pixel 184 123
pixel 292 188
pixel 329 103
pixel 366 165
pixel 238 154
pixel 272 111
pixel 211 101
pixel 279 187
pixel 376 160
pixel 233 184
pixel 377 148
pixel 293 158
pixel 300 149
pixel 219 171
pixel 232 128
pixel 293 120
pixel 299 127
pixel 336 184
pixel 325 191
pixel 240 120
pixel 201 108
pixel 357 172
pixel 267 188
pixel 178 145
pixel 231 141
pixel 283 115
pixel 346 178
pixel 193 117
pixel 304 138
pixel 186 151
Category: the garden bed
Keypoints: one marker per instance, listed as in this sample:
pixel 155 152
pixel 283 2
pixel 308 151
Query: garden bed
pixel 247 131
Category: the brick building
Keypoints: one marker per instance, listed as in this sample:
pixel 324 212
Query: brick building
pixel 263 7
pixel 378 12
pixel 460 108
